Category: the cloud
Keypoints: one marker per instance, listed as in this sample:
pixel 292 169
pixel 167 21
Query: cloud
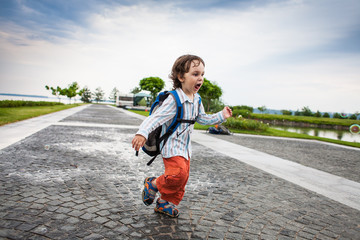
pixel 258 53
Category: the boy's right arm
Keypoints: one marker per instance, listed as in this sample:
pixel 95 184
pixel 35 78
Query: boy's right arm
pixel 138 141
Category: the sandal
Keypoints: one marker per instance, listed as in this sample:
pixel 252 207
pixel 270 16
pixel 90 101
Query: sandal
pixel 149 192
pixel 166 208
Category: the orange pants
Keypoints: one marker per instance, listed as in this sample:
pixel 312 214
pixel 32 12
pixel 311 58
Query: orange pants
pixel 171 184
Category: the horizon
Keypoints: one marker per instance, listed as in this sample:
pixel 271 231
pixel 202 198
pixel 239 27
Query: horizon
pixel 255 109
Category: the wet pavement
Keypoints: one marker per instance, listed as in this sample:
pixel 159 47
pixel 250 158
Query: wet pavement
pixel 78 178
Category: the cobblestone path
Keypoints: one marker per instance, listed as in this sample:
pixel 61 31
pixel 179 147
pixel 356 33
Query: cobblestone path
pixel 84 182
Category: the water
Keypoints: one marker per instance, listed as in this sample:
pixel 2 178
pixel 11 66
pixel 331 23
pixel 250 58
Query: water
pixel 325 133
pixel 38 98
pixel 45 99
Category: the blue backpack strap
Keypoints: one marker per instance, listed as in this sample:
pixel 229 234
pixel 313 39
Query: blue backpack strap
pixel 199 100
pixel 157 101
pixel 179 113
pixel 199 105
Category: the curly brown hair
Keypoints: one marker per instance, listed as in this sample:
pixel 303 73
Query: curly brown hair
pixel 181 66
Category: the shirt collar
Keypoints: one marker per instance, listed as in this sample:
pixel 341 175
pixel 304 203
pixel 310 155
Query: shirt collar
pixel 183 97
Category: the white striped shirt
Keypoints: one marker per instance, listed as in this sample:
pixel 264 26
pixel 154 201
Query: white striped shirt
pixel 179 143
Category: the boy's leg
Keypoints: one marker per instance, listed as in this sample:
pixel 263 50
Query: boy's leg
pixel 171 184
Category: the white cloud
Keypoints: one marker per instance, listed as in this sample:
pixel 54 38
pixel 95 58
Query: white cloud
pixel 244 51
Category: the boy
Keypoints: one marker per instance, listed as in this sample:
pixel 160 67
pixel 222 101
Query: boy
pixel 188 76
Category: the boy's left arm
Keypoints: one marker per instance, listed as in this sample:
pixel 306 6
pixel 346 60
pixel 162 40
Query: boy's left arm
pixel 211 119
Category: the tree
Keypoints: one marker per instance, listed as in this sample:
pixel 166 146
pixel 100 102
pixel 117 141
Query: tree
pixel 85 95
pixel 113 94
pixel 152 84
pixel 55 91
pixel 353 117
pixel 70 92
pixel 99 94
pixel 357 114
pixel 326 115
pixel 217 105
pixel 209 91
pixel 317 114
pixel 306 111
pixel 262 109
pixel 336 115
pixel 136 90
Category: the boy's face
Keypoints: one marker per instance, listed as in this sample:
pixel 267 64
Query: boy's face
pixel 192 81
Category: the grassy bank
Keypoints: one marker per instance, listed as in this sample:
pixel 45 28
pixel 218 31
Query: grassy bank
pixel 311 120
pixel 274 132
pixel 21 103
pixel 14 114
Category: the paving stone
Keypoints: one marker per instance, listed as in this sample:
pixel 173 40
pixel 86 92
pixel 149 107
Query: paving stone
pixel 88 216
pixel 75 213
pixel 103 213
pixel 88 185
pixel 100 220
pixel 94 236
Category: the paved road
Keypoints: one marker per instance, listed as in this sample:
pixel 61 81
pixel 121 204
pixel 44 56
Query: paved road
pixel 79 179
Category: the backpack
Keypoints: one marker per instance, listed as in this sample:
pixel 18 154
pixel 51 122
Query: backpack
pixel 213 130
pixel 223 130
pixel 152 144
pixel 219 129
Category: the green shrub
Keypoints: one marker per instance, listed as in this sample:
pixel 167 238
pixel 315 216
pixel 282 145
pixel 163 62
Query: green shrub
pixel 243 107
pixel 337 115
pixel 317 114
pixel 353 117
pixel 244 124
pixel 286 112
pixel 326 115
pixel 241 112
pixel 16 103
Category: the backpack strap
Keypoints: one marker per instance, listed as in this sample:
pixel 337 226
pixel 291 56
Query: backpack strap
pixel 177 119
pixel 193 120
pixel 159 98
pixel 199 101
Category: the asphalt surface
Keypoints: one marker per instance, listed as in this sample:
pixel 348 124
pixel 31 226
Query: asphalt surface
pixel 79 179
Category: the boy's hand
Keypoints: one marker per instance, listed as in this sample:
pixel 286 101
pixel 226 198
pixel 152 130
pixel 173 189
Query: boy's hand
pixel 227 112
pixel 138 141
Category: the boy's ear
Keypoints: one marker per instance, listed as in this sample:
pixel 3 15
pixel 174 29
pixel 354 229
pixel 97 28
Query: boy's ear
pixel 180 78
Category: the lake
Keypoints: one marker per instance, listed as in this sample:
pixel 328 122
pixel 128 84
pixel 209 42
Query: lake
pixel 325 133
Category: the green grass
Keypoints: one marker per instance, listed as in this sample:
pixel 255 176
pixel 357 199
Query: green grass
pixel 140 112
pixel 314 120
pixel 14 114
pixel 21 103
pixel 273 132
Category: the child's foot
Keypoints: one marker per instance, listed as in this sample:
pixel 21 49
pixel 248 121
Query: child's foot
pixel 166 208
pixel 149 192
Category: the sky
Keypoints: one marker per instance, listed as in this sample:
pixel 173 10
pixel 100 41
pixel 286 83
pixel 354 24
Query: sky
pixel 281 54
